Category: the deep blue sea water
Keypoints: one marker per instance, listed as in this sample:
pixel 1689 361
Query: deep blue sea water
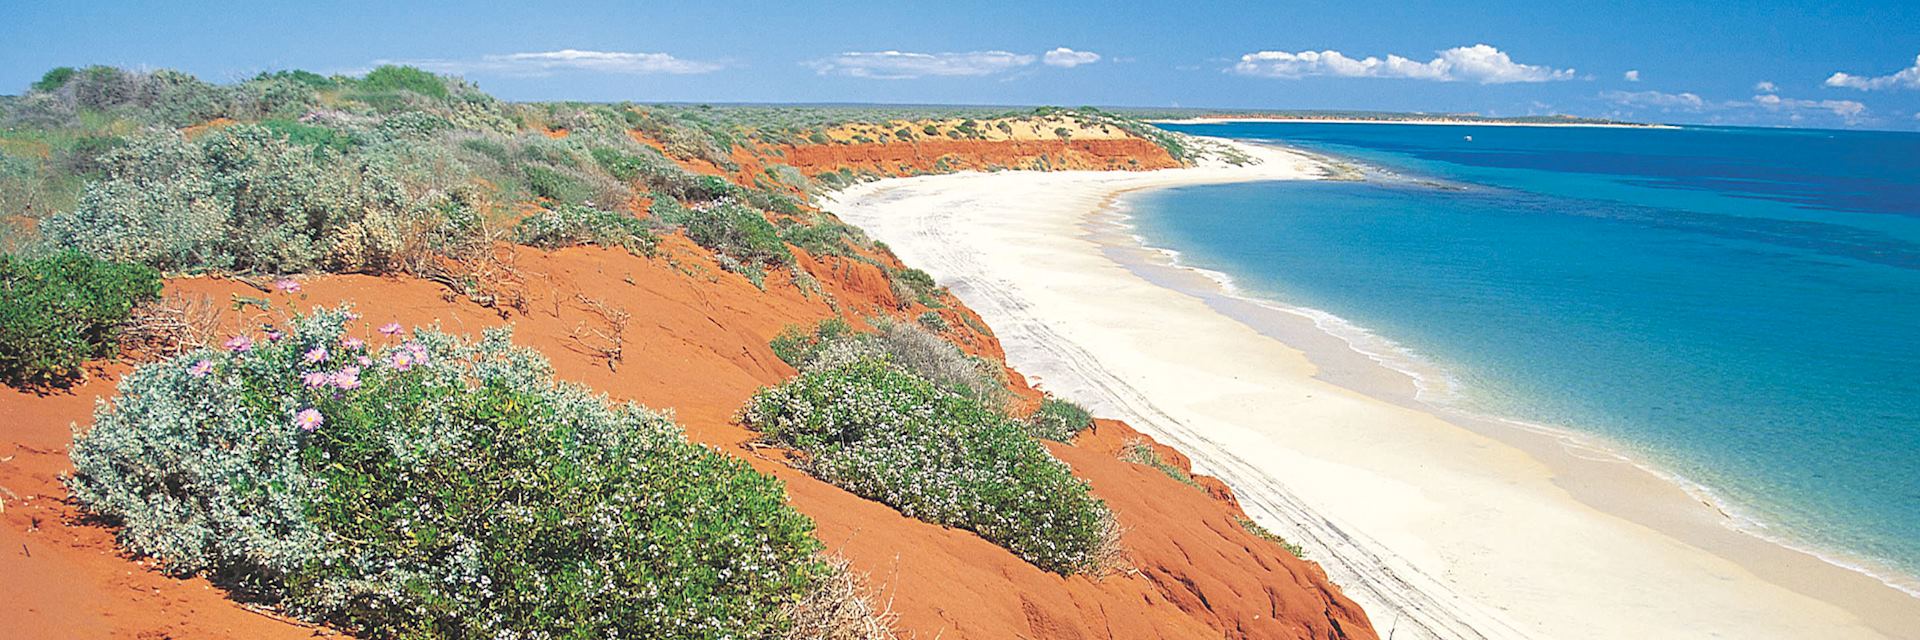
pixel 1739 306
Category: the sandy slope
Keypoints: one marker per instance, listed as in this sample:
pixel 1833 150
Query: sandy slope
pixel 1438 530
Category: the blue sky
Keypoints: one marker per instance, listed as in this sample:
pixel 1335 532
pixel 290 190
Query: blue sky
pixel 1732 62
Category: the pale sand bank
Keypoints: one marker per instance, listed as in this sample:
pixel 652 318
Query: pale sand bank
pixel 1439 526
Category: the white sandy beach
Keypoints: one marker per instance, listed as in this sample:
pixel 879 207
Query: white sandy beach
pixel 1421 121
pixel 1439 526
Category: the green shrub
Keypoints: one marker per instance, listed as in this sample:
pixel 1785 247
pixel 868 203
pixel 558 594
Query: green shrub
pixel 53 79
pixel 399 78
pixel 318 137
pixel 884 434
pixel 546 182
pixel 1137 451
pixel 1269 536
pixel 245 199
pixel 909 347
pixel 574 225
pixel 797 347
pixel 915 285
pixel 739 232
pixel 823 236
pixel 620 165
pixel 299 76
pixel 59 311
pixel 933 321
pixel 1058 420
pixel 432 488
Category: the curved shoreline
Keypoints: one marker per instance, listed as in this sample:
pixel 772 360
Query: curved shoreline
pixel 1154 263
pixel 1435 526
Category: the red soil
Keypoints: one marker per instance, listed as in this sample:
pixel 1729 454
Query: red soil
pixel 697 344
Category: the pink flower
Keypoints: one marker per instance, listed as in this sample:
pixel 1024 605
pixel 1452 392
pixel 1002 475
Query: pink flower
pixel 347 379
pixel 391 328
pixel 308 419
pixel 274 336
pixel 314 379
pixel 200 369
pixel 400 359
pixel 351 342
pixel 363 360
pixel 238 344
pixel 286 285
pixel 316 355
pixel 418 351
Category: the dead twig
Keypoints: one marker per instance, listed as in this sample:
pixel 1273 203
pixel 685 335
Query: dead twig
pixel 171 326
pixel 607 342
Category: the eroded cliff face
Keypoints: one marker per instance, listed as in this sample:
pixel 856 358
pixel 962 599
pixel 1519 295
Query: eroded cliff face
pixel 696 343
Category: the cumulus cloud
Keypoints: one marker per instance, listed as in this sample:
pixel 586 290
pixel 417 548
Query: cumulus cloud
pixel 1684 101
pixel 540 63
pixel 1847 109
pixel 1765 87
pixel 1064 57
pixel 1632 75
pixel 904 65
pixel 1908 78
pixel 1478 63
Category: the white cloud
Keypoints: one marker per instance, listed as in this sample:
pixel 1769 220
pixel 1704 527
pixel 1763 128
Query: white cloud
pixel 1479 63
pixel 1794 109
pixel 1064 57
pixel 1684 101
pixel 1844 108
pixel 1916 115
pixel 1765 87
pixel 546 62
pixel 1908 78
pixel 1632 75
pixel 903 65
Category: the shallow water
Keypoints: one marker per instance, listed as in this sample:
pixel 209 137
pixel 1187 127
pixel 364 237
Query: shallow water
pixel 1741 306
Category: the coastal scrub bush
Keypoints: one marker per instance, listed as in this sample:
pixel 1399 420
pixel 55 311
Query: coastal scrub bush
pixel 798 347
pixel 247 199
pixel 1058 420
pixel 742 233
pixel 402 78
pixel 59 311
pixel 876 430
pixel 1137 451
pixel 933 321
pixel 1264 534
pixel 918 351
pixel 574 225
pixel 911 284
pixel 822 235
pixel 53 79
pixel 427 487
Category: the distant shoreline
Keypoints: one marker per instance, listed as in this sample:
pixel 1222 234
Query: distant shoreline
pixel 1419 121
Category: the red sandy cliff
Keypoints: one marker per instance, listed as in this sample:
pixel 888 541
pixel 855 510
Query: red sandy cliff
pixel 697 344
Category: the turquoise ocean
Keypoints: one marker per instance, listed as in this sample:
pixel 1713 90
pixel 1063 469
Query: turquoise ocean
pixel 1738 308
